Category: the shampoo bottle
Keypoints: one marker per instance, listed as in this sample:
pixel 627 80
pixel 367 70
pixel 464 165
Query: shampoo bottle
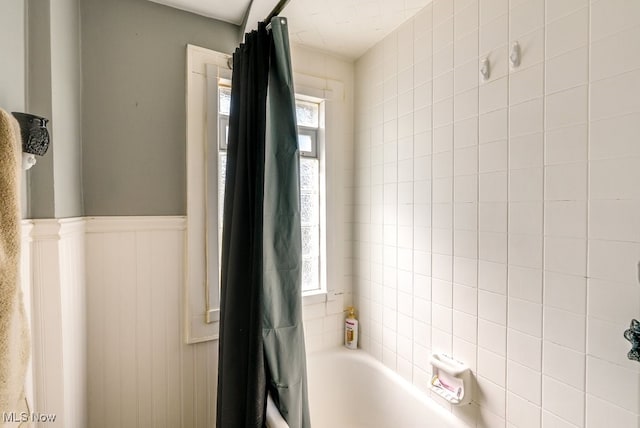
pixel 351 329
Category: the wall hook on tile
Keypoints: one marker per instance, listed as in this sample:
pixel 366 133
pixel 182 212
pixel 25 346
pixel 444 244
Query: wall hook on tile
pixel 632 334
pixel 515 56
pixel 485 69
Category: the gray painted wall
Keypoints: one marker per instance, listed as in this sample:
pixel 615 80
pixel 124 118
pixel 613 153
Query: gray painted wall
pixel 133 97
pixel 66 119
pixel 12 72
pixel 12 55
pixel 41 186
pixel 54 92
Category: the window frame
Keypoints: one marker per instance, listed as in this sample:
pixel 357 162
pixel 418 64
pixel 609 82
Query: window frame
pixel 201 300
pixel 313 133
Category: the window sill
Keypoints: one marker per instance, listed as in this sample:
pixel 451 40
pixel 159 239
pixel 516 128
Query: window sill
pixel 314 297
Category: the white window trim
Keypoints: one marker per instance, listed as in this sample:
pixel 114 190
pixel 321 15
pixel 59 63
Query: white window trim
pixel 205 68
pixel 332 92
pixel 201 302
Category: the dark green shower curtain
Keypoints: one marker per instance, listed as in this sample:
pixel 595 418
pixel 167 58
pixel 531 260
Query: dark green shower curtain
pixel 261 334
pixel 282 326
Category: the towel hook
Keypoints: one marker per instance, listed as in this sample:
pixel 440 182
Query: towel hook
pixel 35 137
pixel 485 69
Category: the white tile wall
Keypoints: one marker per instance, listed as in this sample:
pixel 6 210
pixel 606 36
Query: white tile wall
pixel 524 217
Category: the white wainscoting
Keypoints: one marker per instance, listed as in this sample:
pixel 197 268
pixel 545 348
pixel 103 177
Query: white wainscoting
pixel 140 371
pixel 106 300
pixel 25 283
pixel 53 252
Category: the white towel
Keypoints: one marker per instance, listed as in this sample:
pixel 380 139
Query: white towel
pixel 14 329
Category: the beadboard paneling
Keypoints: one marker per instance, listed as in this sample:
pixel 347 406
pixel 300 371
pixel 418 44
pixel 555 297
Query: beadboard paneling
pixel 140 371
pixel 58 319
pixel 74 321
pixel 25 283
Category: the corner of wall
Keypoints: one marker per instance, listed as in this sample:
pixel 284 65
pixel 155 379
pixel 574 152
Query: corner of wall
pixel 53 254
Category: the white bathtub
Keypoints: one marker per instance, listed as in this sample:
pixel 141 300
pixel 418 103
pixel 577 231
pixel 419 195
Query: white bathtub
pixel 350 389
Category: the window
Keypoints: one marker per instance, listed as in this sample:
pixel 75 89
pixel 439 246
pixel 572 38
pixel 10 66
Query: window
pixel 308 112
pixel 323 169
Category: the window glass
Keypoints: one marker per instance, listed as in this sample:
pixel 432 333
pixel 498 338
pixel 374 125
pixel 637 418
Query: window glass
pixel 307 113
pixel 222 176
pixel 305 143
pixel 308 118
pixel 310 221
pixel 225 100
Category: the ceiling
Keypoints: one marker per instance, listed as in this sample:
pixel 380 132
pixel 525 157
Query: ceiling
pixel 347 27
pixel 344 27
pixel 223 10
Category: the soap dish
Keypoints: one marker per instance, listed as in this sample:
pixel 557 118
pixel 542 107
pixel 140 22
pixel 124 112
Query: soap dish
pixel 451 379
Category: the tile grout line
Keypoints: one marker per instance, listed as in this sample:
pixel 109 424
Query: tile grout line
pixel 544 207
pixel 508 177
pixel 398 205
pixel 477 203
pixel 430 83
pixel 453 171
pixel 413 224
pixel 588 212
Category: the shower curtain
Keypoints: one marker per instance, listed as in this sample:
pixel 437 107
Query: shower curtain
pixel 261 348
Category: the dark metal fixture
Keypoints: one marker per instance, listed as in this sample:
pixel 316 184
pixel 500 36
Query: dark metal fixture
pixel 35 137
pixel 632 334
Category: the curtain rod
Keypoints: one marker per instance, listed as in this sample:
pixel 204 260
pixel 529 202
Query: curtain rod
pixel 276 10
